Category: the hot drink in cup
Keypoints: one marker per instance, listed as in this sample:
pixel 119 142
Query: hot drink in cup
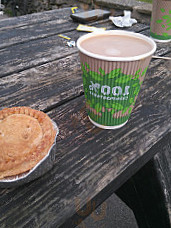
pixel 114 64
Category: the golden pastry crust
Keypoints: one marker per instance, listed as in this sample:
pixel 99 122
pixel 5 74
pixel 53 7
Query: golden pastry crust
pixel 26 135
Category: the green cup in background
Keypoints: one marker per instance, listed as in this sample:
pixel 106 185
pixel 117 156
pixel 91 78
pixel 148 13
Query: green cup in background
pixel 160 28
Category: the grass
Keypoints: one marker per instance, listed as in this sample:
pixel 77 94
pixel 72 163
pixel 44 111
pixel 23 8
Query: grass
pixel 149 1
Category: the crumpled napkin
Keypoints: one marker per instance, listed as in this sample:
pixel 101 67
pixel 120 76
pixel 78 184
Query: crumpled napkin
pixel 125 21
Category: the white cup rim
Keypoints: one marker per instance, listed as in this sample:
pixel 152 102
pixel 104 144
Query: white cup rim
pixel 117 32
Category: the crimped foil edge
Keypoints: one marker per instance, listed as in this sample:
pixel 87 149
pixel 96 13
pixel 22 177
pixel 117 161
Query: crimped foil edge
pixel 41 168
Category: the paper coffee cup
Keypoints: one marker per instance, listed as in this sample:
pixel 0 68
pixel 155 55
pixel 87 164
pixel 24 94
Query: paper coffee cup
pixel 111 84
pixel 160 28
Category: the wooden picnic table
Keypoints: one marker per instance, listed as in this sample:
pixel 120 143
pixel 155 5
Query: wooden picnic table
pixel 39 70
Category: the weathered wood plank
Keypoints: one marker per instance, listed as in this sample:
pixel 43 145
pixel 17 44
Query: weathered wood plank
pixel 89 159
pixel 35 31
pixel 43 86
pixel 44 28
pixel 39 51
pixel 35 18
pixel 162 163
pixel 27 55
pixel 50 28
pixel 48 85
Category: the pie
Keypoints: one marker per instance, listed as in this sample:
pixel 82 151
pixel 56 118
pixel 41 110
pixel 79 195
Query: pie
pixel 26 136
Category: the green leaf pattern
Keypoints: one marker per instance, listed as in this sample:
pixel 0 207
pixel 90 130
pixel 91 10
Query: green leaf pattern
pixel 114 73
pixel 115 77
pixel 117 106
pixel 165 21
pixel 123 79
pixel 102 72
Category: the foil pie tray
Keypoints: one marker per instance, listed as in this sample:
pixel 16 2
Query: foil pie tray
pixel 40 169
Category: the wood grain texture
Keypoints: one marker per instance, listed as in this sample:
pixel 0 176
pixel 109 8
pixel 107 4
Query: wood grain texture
pixel 40 71
pixel 47 85
pixel 42 30
pixel 162 163
pixel 89 159
pixel 43 86
pixel 32 48
pixel 35 18
pixel 37 26
pixel 35 31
